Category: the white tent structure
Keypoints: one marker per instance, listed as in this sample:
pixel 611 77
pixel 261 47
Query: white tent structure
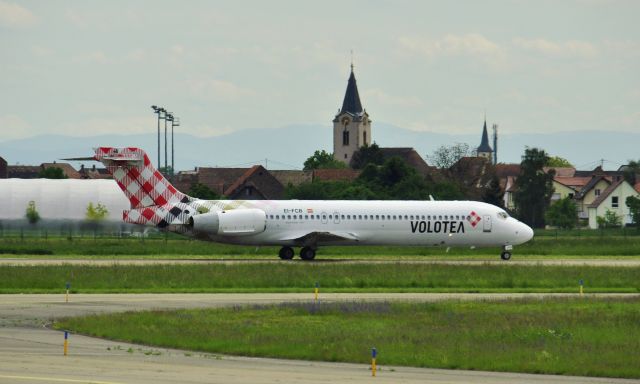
pixel 65 199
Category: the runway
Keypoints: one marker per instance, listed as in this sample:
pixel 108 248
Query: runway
pixel 594 262
pixel 31 353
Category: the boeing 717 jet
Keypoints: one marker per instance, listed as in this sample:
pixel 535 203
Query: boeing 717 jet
pixel 309 224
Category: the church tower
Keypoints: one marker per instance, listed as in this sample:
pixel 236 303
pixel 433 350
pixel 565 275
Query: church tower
pixel 351 126
pixel 484 150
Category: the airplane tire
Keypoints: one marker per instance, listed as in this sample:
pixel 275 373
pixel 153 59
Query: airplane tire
pixel 286 253
pixel 307 253
pixel 505 255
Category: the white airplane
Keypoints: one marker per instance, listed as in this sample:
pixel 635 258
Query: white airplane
pixel 308 224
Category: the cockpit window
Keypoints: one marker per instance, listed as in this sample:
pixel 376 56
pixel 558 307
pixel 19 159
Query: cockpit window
pixel 503 215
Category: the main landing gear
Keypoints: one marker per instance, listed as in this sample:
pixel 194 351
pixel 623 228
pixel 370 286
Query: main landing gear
pixel 506 252
pixel 306 253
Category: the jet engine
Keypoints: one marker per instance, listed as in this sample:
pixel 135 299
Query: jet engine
pixel 236 222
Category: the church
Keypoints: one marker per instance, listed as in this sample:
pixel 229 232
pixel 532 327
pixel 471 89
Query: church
pixel 352 130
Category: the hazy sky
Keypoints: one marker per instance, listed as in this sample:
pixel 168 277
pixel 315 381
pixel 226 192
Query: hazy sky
pixel 90 67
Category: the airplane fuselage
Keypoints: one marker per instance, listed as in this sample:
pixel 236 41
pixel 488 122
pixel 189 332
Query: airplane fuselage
pixel 416 223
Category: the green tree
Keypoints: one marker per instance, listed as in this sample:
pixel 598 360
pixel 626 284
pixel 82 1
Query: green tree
pixel 609 220
pixel 323 160
pixel 447 155
pixel 557 161
pixel 534 188
pixel 631 171
pixel 201 191
pixel 493 193
pixel 634 208
pixel 52 173
pixel 562 213
pixel 96 213
pixel 367 154
pixel 32 214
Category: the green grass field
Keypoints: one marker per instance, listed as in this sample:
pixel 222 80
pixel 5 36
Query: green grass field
pixel 586 337
pixel 177 247
pixel 332 277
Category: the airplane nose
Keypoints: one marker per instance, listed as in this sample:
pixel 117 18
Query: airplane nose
pixel 526 232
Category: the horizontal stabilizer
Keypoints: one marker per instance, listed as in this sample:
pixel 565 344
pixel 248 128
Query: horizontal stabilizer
pixel 80 159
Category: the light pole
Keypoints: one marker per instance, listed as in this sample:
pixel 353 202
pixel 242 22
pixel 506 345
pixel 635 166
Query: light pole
pixel 175 122
pixel 159 111
pixel 167 115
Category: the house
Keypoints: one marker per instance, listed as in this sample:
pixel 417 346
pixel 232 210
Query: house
pixel 94 173
pixel 292 177
pixel 507 175
pixel 589 193
pixel 23 171
pixel 612 199
pixel 3 168
pixel 336 174
pixel 411 157
pixel 255 184
pixel 67 169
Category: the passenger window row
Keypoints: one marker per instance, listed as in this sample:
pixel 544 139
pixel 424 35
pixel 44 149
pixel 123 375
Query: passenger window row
pixel 369 217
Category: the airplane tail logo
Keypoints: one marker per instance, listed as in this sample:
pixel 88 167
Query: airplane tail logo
pixel 143 185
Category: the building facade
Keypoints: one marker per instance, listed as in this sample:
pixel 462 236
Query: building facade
pixel 351 126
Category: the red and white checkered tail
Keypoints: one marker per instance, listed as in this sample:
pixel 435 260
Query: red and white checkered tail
pixel 143 185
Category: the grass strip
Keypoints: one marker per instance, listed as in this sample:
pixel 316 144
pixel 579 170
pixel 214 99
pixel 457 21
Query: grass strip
pixel 182 247
pixel 585 337
pixel 332 277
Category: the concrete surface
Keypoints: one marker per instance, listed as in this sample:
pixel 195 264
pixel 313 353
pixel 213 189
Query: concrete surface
pixel 31 353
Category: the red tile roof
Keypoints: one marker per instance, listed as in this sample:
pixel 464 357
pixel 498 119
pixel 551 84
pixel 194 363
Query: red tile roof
pixel 336 174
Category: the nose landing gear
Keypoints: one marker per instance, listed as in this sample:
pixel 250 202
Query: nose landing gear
pixel 506 252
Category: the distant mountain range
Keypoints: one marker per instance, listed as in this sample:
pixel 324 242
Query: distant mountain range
pixel 288 147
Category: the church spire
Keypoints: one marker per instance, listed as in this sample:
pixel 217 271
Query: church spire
pixel 484 143
pixel 351 102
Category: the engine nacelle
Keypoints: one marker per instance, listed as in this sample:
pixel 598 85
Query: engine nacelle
pixel 236 222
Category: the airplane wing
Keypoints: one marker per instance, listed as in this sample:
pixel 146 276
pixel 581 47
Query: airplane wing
pixel 320 238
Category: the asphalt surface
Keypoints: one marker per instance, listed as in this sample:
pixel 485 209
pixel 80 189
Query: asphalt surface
pixel 605 262
pixel 32 353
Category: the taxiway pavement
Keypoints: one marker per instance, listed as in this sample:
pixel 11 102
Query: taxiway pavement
pixel 32 353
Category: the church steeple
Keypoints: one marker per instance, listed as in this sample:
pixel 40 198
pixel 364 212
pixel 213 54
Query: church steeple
pixel 484 150
pixel 351 102
pixel 351 126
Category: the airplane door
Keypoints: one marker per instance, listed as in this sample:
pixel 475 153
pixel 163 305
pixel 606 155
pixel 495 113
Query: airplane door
pixel 324 217
pixel 486 223
pixel 336 217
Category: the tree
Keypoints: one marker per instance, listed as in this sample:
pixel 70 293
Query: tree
pixel 32 214
pixel 322 160
pixel 96 213
pixel 534 188
pixel 609 220
pixel 557 161
pixel 631 171
pixel 493 193
pixel 201 191
pixel 367 154
pixel 634 208
pixel 52 173
pixel 445 156
pixel 563 213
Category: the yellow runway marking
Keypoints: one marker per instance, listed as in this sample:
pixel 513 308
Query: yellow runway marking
pixel 51 379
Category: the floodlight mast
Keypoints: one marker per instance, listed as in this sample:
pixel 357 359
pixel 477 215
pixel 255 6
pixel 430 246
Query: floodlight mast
pixel 167 117
pixel 175 122
pixel 159 111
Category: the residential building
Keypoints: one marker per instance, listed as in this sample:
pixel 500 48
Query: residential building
pixel 3 168
pixel 613 198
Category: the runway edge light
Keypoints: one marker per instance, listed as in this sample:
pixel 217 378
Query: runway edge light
pixel 374 353
pixel 66 342
pixel 581 282
pixel 66 296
